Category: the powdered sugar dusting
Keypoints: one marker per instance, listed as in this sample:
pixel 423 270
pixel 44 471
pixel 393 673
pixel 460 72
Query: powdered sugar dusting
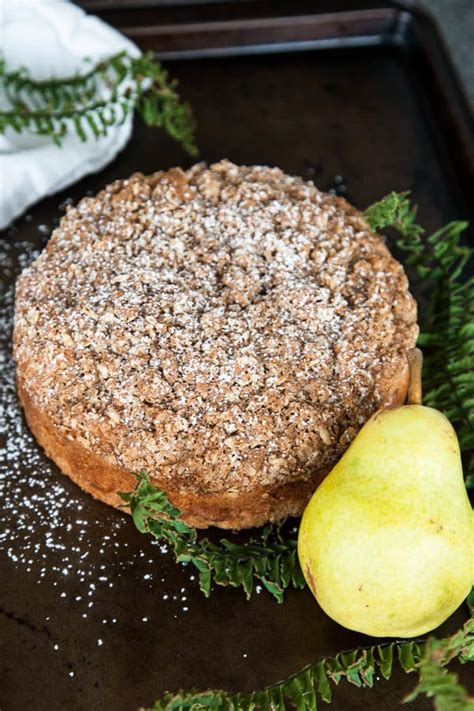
pixel 220 328
pixel 47 527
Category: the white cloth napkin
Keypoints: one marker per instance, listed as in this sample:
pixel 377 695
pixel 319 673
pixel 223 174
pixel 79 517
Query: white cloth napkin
pixel 52 38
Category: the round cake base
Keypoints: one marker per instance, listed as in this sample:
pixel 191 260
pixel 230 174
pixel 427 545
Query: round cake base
pixel 248 509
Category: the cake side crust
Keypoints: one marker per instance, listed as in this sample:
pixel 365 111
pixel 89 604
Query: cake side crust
pixel 104 481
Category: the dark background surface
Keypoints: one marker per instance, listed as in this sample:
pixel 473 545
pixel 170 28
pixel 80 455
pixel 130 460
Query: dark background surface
pixel 454 17
pixel 367 115
pixel 456 20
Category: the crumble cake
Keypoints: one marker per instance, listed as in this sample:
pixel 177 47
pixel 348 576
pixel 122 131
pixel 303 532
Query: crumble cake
pixel 228 329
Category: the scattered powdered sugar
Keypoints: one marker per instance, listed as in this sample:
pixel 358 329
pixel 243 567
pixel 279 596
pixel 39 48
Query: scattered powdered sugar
pixel 47 526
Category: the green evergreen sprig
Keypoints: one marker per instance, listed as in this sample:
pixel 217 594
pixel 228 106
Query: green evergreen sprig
pixel 307 688
pixel 395 210
pixel 89 104
pixel 273 562
pixel 435 681
pixel 447 328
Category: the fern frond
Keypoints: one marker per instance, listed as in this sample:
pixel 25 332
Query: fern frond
pixel 273 562
pixel 92 102
pixel 395 210
pixel 312 684
pixel 447 328
pixel 435 681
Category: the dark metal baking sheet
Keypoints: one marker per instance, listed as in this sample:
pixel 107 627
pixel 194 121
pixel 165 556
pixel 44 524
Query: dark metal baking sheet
pixel 93 615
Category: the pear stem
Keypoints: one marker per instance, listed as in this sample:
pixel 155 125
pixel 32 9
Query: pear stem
pixel 415 365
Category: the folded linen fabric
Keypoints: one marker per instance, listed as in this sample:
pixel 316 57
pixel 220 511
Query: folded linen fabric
pixel 52 38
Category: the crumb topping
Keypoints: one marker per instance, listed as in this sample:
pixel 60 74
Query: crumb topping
pixel 220 327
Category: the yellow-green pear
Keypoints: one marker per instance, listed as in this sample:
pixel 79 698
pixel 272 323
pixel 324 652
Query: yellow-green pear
pixel 386 543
